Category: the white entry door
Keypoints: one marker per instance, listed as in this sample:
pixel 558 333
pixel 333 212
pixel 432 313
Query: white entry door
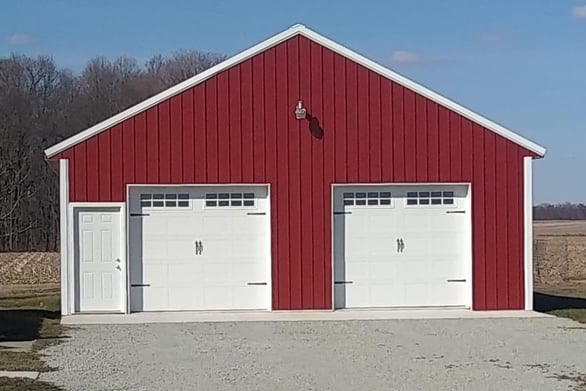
pixel 402 246
pixel 99 276
pixel 199 248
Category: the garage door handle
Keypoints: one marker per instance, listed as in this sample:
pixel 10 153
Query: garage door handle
pixel 257 283
pixel 458 280
pixel 344 282
pixel 198 247
pixel 400 245
pixel 456 211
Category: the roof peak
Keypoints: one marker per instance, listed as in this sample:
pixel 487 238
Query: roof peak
pixel 298 26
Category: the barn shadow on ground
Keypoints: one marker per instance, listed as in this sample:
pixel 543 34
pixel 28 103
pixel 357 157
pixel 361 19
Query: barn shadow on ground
pixel 544 302
pixel 24 324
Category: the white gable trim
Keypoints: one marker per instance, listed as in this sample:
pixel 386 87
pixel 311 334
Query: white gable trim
pixel 283 36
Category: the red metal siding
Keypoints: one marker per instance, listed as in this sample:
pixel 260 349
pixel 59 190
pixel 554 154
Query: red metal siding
pixel 239 127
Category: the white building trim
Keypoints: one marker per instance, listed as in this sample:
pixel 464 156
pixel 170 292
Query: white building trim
pixel 528 230
pixel 276 39
pixel 64 233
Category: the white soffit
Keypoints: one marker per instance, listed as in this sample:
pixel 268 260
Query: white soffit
pixel 276 39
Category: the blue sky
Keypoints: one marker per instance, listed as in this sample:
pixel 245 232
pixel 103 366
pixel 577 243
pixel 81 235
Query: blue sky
pixel 521 63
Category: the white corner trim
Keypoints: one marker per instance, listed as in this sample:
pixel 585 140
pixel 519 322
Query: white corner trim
pixel 528 229
pixel 64 233
pixel 274 40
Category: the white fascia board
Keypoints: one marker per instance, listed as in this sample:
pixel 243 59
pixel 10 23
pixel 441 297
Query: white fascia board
pixel 283 36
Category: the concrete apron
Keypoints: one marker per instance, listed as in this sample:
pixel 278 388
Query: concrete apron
pixel 286 316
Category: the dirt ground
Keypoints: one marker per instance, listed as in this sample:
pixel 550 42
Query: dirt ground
pixel 29 268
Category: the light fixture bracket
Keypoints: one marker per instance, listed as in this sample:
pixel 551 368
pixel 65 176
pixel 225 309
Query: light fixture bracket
pixel 300 111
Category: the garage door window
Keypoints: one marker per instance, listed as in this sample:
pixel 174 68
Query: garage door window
pixel 230 200
pixel 164 200
pixel 430 198
pixel 368 199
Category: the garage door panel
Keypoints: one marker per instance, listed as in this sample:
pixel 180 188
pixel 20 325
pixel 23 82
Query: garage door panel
pixel 217 224
pixel 250 271
pixel 357 295
pixel 250 245
pixel 386 295
pixel 218 297
pixel 183 272
pixel 444 294
pixel 358 270
pixel 384 223
pixel 382 246
pixel 415 221
pixel 154 298
pixel 355 222
pixel 241 224
pixel 414 269
pixel 218 273
pixel 245 295
pixel 177 272
pixel 154 248
pixel 185 298
pixel 448 269
pixel 452 223
pixel 154 230
pixel 417 245
pixel 381 270
pixel 152 273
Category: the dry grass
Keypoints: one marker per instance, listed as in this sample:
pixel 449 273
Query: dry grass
pixel 559 228
pixel 8 384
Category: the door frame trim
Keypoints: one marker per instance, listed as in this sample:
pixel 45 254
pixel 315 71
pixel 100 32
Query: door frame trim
pixel 269 232
pixel 74 207
pixel 469 227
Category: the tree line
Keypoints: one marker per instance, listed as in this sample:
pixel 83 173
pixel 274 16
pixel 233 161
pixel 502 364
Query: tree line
pixel 561 211
pixel 42 104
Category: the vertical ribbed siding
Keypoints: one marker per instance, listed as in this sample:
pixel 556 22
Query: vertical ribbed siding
pixel 239 127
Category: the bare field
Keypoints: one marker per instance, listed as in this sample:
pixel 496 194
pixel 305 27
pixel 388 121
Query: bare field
pixel 29 268
pixel 559 228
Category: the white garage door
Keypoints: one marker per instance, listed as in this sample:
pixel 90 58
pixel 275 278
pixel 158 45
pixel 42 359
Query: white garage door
pixel 199 248
pixel 402 246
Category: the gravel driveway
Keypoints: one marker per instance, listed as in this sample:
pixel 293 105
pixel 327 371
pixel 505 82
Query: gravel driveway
pixel 471 354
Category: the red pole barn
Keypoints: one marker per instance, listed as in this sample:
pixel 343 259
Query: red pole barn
pixel 297 174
